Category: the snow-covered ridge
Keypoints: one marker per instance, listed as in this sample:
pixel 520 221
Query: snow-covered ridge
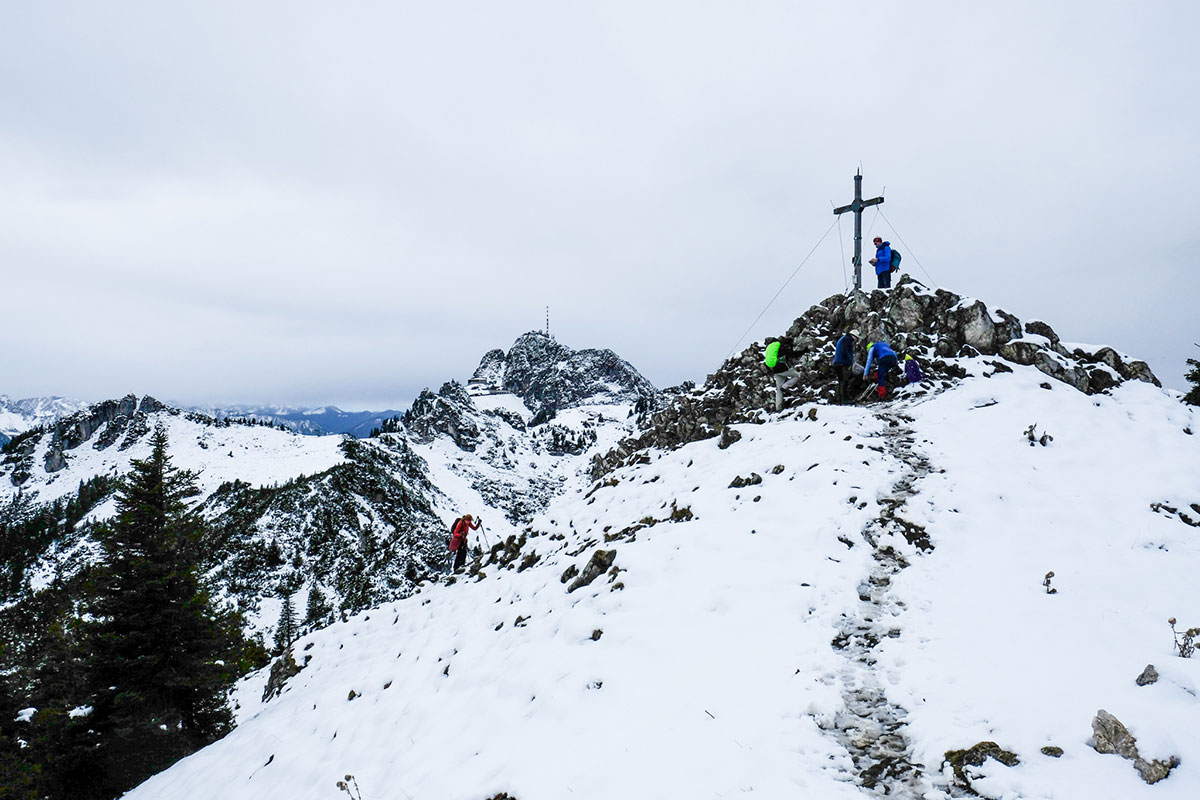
pixel 362 521
pixel 724 622
pixel 102 440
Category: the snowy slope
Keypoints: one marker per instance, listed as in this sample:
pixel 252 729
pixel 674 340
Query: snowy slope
pixel 253 454
pixel 875 601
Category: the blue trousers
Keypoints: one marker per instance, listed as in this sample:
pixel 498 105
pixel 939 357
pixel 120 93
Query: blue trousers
pixel 886 365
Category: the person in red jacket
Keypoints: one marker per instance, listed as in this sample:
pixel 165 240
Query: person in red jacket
pixel 458 538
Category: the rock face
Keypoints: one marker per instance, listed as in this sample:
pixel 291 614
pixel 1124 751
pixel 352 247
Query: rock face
pixel 450 411
pixel 549 376
pixel 103 424
pixel 939 328
pixel 1110 736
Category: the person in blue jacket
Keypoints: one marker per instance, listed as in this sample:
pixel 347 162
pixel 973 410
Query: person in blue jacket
pixel 885 361
pixel 843 363
pixel 883 263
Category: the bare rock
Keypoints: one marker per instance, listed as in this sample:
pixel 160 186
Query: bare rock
pixel 599 563
pixel 1109 735
pixel 977 327
pixel 728 437
pixel 907 313
pixel 283 669
pixel 1039 328
pixel 1021 352
pixel 1149 675
pixel 975 756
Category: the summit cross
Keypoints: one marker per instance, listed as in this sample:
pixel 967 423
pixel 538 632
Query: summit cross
pixel 857 206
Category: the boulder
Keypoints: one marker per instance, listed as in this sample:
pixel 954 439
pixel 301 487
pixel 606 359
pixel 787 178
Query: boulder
pixel 976 326
pixel 1109 735
pixel 1008 329
pixel 1039 328
pixel 597 565
pixel 1021 352
pixel 906 313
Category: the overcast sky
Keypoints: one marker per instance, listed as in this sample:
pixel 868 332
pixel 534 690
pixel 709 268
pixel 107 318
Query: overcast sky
pixel 317 202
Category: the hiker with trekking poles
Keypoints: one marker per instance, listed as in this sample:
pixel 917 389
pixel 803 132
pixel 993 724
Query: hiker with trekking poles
pixel 458 538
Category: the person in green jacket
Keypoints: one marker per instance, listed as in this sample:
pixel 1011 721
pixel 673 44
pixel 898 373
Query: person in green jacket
pixel 785 376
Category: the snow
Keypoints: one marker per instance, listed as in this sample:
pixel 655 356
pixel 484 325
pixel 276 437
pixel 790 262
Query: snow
pixel 256 455
pixel 713 674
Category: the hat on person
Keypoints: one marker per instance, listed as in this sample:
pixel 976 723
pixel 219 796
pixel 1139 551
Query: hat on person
pixel 854 332
pixel 467 517
pixel 908 358
pixel 877 239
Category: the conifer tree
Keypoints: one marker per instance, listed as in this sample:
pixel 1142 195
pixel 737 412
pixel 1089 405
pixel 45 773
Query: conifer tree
pixel 285 631
pixel 161 657
pixel 318 609
pixel 1193 377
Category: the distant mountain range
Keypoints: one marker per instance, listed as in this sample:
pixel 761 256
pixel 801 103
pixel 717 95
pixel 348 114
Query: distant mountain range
pixel 21 415
pixel 17 416
pixel 309 421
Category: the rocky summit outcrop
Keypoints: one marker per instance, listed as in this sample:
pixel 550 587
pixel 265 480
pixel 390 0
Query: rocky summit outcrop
pixel 103 424
pixel 549 376
pixel 946 333
pixel 450 411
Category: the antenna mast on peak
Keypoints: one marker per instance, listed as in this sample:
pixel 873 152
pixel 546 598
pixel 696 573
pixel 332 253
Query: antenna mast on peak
pixel 548 322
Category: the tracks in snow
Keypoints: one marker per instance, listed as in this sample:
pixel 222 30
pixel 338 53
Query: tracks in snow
pixel 869 726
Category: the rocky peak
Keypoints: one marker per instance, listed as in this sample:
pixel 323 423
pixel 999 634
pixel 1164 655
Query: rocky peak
pixel 548 375
pixel 942 330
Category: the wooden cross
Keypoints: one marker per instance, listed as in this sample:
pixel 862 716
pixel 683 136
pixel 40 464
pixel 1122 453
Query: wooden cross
pixel 857 206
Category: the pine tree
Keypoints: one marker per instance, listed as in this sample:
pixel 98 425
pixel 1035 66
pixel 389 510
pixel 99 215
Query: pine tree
pixel 318 609
pixel 161 657
pixel 1193 377
pixel 285 631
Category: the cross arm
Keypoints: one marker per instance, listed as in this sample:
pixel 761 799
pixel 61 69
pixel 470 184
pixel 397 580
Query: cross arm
pixel 858 205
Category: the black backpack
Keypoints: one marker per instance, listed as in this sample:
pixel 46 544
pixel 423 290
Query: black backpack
pixel 895 260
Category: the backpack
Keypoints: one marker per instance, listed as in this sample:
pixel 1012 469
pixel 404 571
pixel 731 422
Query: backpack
pixel 895 260
pixel 912 372
pixel 456 535
pixel 771 355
